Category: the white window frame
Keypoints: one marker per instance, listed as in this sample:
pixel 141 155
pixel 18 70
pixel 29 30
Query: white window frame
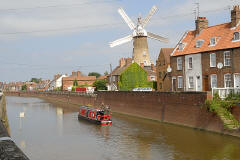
pixel 213 41
pixel 236 74
pixel 179 65
pixel 225 80
pixel 190 66
pixel 211 60
pixel 234 36
pixel 190 83
pixel 227 60
pixel 213 81
pixel 180 85
pixel 199 43
pixel 181 46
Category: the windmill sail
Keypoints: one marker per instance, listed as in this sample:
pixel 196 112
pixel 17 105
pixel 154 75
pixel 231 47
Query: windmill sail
pixel 121 41
pixel 126 19
pixel 149 16
pixel 157 37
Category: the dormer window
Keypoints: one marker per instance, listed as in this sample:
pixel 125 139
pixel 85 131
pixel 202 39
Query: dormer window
pixel 181 46
pixel 236 36
pixel 199 43
pixel 213 41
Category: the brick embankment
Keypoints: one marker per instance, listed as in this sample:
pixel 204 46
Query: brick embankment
pixel 8 149
pixel 180 108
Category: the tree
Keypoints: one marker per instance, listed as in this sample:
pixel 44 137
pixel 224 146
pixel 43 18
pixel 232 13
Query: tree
pixel 36 80
pixel 133 77
pixel 100 85
pixel 24 87
pixel 94 74
pixel 75 83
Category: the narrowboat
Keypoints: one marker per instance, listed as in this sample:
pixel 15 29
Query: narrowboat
pixel 98 116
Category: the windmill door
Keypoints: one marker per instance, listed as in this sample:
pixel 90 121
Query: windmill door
pixel 237 81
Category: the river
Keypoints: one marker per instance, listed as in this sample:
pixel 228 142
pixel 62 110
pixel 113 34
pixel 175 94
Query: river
pixel 53 133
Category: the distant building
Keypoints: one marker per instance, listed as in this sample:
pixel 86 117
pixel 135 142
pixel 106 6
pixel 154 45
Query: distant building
pixel 162 64
pixel 56 83
pixel 208 57
pixel 67 82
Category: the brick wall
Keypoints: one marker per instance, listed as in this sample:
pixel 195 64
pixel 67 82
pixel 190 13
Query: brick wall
pixel 181 108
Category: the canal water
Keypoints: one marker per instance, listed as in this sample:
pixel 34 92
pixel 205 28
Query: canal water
pixel 53 133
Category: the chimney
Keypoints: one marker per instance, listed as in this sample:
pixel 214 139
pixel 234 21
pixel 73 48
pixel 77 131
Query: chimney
pixel 142 65
pixel 122 62
pixel 201 23
pixel 78 74
pixel 235 16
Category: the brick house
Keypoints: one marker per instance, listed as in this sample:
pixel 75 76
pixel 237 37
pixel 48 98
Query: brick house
pixel 162 63
pixel 208 57
pixel 67 82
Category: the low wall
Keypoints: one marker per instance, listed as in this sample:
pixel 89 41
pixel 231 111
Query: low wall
pixel 181 108
pixel 8 149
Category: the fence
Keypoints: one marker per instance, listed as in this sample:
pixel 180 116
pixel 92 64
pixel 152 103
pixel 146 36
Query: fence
pixel 224 92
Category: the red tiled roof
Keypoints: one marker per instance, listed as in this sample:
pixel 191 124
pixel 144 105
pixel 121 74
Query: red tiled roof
pixel 81 78
pixel 223 33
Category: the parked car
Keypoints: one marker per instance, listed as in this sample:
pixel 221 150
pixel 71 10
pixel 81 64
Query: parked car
pixel 143 89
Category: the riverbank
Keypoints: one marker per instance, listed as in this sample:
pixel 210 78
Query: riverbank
pixel 184 109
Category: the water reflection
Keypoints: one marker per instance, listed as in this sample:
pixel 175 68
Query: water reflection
pixel 55 133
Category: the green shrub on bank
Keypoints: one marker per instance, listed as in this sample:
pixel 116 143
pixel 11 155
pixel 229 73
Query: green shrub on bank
pixel 223 109
pixel 133 77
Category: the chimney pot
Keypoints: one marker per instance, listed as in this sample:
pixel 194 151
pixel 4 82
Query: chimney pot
pixel 235 16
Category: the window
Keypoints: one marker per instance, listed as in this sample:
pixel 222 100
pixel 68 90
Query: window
pixel 227 80
pixel 190 63
pixel 152 78
pixel 199 43
pixel 144 53
pixel 179 63
pixel 213 41
pixel 213 81
pixel 181 46
pixel 236 36
pixel 190 82
pixel 227 58
pixel 212 60
pixel 145 63
pixel 180 82
pixel 160 85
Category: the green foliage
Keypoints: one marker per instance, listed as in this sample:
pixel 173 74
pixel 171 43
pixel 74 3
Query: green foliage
pixel 74 88
pixel 223 109
pixel 58 89
pixel 94 74
pixel 24 87
pixel 36 80
pixel 100 85
pixel 133 77
pixel 75 83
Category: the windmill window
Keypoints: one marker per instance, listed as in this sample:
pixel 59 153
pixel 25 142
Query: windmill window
pixel 213 41
pixel 199 43
pixel 236 36
pixel 144 53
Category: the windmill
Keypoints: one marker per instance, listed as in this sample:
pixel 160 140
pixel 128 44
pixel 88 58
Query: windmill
pixel 139 37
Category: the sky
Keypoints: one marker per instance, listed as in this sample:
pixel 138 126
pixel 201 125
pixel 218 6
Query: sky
pixel 40 38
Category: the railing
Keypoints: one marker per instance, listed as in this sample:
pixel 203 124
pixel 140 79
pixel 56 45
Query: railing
pixel 224 92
